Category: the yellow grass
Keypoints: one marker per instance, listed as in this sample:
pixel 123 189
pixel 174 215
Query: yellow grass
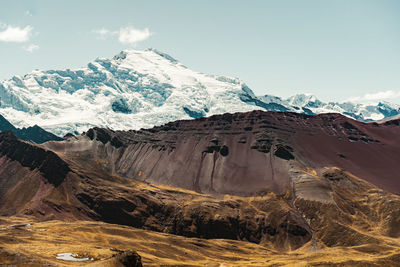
pixel 44 240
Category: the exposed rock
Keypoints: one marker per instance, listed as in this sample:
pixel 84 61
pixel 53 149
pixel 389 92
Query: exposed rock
pixel 283 152
pixel 224 151
pixel 127 258
pixel 53 168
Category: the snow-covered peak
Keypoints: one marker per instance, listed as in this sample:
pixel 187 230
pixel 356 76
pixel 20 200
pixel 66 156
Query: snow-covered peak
pixel 309 104
pixel 272 99
pixel 134 89
pixel 302 100
pixel 137 89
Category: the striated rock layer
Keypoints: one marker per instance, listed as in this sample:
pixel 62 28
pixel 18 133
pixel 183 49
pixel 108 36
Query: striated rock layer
pixel 243 153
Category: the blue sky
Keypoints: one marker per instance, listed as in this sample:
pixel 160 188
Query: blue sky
pixel 337 50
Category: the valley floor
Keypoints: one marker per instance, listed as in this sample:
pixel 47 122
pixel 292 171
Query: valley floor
pixel 25 241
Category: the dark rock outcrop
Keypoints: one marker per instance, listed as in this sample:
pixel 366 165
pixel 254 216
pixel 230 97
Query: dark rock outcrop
pixel 126 258
pixel 47 162
pixel 33 134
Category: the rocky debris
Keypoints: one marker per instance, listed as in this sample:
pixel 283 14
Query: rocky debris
pixel 121 258
pixel 129 258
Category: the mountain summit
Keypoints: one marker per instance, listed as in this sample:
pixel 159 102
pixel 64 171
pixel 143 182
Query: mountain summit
pixel 132 90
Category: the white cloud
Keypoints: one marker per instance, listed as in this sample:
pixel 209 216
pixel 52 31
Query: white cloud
pixel 102 33
pixel 376 96
pixel 15 34
pixel 30 48
pixel 126 35
pixel 130 35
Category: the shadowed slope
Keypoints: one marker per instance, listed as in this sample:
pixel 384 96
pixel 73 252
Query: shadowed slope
pixel 33 157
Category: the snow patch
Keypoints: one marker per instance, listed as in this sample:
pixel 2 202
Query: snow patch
pixel 71 257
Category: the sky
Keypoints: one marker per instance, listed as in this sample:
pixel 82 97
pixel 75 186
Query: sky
pixel 337 50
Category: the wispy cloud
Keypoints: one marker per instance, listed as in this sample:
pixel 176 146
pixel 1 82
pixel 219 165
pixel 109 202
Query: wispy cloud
pixel 130 35
pixel 103 33
pixel 126 35
pixel 14 34
pixel 30 48
pixel 389 94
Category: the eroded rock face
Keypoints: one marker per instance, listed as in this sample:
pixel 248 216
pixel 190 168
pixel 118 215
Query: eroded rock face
pixel 243 153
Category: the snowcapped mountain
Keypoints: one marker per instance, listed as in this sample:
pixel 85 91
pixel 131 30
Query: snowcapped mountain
pixel 132 90
pixel 141 89
pixel 309 104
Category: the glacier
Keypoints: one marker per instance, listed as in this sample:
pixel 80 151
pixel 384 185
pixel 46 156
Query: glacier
pixel 133 90
pixel 142 89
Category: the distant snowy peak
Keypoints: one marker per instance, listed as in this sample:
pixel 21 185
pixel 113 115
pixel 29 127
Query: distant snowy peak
pixel 134 89
pixel 273 99
pixel 309 104
pixel 301 100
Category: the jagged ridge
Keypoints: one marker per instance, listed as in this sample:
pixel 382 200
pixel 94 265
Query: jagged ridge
pixel 47 162
pixel 33 134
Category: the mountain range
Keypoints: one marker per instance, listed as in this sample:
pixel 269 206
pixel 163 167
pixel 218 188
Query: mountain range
pixel 309 104
pixel 166 166
pixel 142 89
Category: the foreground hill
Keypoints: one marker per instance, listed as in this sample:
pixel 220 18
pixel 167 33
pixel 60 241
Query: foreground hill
pixel 39 243
pixel 278 182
